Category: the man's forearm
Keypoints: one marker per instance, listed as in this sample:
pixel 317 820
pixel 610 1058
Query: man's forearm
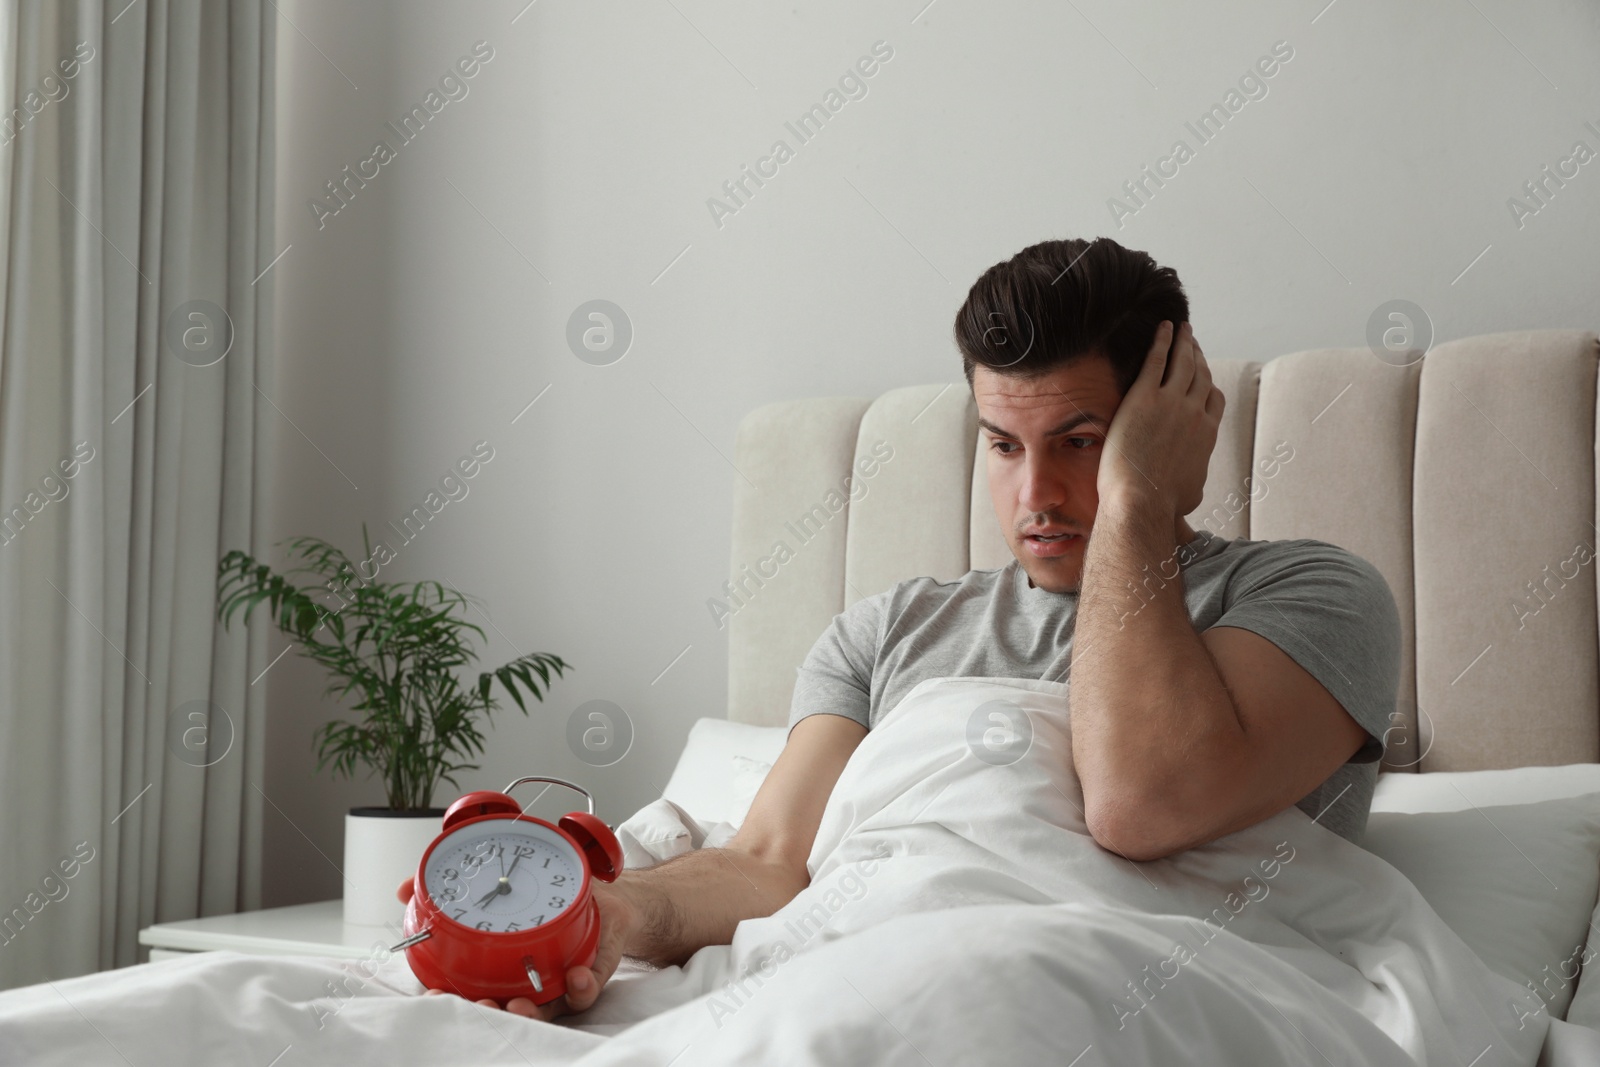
pixel 697 899
pixel 1147 703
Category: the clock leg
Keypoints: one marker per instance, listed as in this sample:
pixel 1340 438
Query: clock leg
pixel 414 939
pixel 533 974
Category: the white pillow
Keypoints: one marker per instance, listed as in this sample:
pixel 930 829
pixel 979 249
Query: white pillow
pixel 703 782
pixel 657 831
pixel 1516 882
pixel 661 830
pixel 721 767
pixel 1460 790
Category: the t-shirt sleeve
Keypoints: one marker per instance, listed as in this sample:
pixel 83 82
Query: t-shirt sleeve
pixel 836 677
pixel 1334 614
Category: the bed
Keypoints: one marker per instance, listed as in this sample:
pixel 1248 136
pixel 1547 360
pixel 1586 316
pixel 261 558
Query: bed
pixel 958 912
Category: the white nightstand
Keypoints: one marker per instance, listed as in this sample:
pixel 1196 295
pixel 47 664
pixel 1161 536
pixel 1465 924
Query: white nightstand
pixel 299 930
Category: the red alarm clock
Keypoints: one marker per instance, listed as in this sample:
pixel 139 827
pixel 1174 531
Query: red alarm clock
pixel 502 903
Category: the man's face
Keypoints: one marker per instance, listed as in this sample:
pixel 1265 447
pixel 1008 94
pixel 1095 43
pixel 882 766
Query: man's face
pixel 1043 440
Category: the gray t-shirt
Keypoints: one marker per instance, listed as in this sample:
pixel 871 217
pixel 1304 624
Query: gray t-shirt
pixel 1330 610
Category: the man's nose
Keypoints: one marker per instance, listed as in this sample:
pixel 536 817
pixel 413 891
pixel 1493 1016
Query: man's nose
pixel 1043 489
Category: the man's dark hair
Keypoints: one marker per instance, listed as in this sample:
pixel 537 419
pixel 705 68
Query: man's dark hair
pixel 1057 302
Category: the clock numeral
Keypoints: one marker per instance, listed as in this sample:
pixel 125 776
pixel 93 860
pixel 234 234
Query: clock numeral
pixel 524 852
pixel 547 860
pixel 450 896
pixel 512 928
pixel 538 919
pixel 558 879
pixel 558 902
pixel 459 913
pixel 486 925
pixel 451 874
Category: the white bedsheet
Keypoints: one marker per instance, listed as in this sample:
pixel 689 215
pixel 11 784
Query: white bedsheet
pixel 958 913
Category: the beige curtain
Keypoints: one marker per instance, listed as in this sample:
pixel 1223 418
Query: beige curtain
pixel 136 165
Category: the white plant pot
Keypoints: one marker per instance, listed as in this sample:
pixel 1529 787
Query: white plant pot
pixel 381 850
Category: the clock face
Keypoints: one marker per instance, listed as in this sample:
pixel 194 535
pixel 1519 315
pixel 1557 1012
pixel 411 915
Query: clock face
pixel 503 875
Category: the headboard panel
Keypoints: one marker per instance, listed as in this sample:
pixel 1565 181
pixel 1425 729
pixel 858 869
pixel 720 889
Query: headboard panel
pixel 787 578
pixel 912 512
pixel 1505 494
pixel 1350 420
pixel 1468 478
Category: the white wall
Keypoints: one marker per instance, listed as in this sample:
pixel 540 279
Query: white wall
pixel 427 313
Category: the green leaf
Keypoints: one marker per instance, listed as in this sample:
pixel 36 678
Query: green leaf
pixel 391 653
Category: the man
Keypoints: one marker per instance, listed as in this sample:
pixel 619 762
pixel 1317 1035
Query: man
pixel 1213 683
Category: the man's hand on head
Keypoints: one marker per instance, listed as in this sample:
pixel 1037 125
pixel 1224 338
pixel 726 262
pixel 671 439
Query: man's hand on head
pixel 583 983
pixel 1161 436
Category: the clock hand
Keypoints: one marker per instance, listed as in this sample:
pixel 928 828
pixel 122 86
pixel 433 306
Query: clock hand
pixel 514 861
pixel 501 887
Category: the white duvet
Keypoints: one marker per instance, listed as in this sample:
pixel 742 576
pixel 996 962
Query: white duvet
pixel 959 913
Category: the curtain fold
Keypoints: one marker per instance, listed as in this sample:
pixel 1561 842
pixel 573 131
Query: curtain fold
pixel 136 156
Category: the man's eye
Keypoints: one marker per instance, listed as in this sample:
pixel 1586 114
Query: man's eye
pixel 1079 444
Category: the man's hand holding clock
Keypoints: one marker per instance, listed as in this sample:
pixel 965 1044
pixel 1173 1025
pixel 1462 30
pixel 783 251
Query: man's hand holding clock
pixel 583 983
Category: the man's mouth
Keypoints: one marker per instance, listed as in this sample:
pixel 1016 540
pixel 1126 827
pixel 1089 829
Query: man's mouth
pixel 1045 533
pixel 1051 545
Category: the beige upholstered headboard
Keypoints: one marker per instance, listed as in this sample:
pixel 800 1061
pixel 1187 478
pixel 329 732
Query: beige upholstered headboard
pixel 1468 478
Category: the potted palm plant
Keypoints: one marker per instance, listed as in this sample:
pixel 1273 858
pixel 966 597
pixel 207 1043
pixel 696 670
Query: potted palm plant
pixel 397 648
